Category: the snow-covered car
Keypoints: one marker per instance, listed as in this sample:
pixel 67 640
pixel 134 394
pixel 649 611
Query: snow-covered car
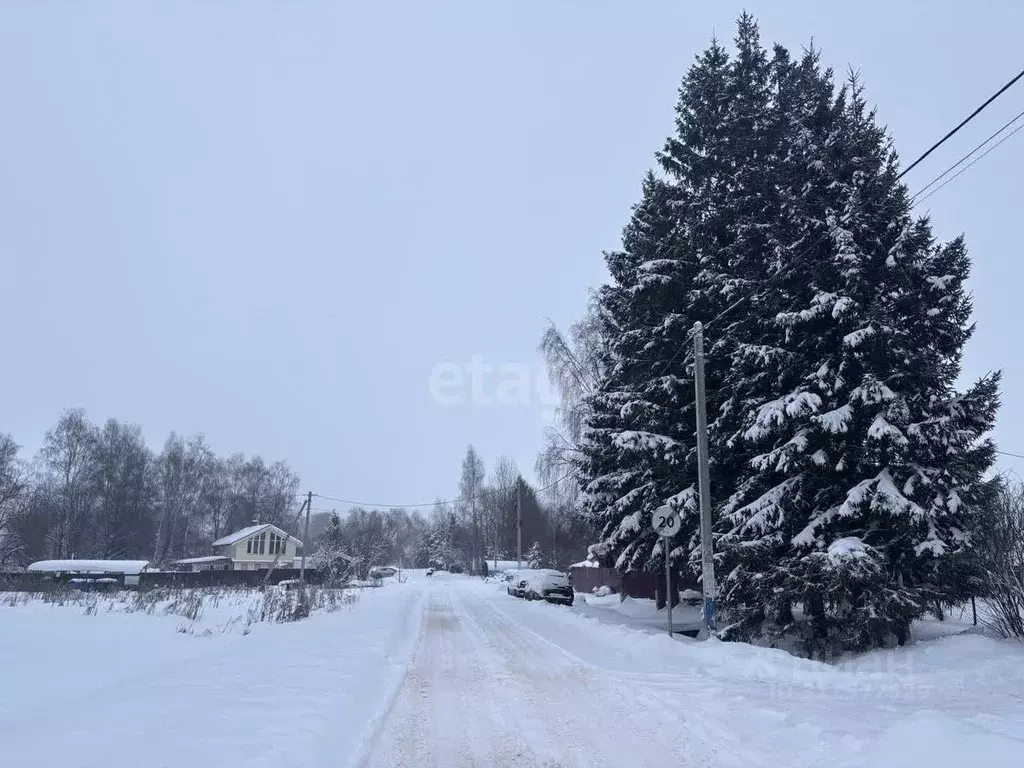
pixel 382 571
pixel 548 584
pixel 517 583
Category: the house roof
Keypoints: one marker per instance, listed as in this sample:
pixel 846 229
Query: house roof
pixel 90 566
pixel 196 560
pixel 231 538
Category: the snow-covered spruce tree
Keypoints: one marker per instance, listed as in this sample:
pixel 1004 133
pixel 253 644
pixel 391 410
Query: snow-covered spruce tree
pixel 535 557
pixel 697 240
pixel 868 465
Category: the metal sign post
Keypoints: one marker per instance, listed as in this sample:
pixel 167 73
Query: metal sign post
pixel 666 523
pixel 668 583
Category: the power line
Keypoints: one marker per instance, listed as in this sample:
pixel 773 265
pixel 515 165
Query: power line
pixel 428 503
pixel 955 165
pixel 968 166
pixel 856 209
pixel 964 122
pixel 1008 453
pixel 395 506
pixel 792 265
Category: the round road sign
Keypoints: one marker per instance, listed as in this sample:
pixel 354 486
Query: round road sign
pixel 665 521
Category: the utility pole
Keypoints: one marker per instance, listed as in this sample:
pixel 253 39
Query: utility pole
pixel 305 538
pixel 704 485
pixel 474 566
pixel 519 522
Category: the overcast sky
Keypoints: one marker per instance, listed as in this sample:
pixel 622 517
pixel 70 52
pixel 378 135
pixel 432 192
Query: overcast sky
pixel 270 222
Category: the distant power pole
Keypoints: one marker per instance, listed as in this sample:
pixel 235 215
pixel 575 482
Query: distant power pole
pixel 519 523
pixel 305 539
pixel 704 484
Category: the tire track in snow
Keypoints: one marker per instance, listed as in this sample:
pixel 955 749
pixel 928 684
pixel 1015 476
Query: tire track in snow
pixel 484 691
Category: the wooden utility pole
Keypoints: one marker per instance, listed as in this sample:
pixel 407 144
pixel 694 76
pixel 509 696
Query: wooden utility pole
pixel 704 485
pixel 519 521
pixel 304 506
pixel 305 538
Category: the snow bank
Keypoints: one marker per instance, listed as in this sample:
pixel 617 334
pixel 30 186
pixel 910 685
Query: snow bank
pixel 637 613
pixel 742 705
pixel 938 740
pixel 113 689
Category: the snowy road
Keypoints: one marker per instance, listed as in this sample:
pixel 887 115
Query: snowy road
pixel 450 671
pixel 483 690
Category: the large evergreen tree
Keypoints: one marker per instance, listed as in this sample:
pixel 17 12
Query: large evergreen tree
pixel 868 464
pixel 697 240
pixel 845 466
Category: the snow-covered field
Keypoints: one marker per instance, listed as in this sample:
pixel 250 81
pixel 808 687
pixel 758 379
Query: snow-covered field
pixel 450 671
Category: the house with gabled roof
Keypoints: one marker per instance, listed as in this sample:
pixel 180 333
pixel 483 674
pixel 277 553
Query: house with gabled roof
pixel 250 549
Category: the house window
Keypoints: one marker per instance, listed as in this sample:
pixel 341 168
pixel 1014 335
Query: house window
pixel 277 544
pixel 257 545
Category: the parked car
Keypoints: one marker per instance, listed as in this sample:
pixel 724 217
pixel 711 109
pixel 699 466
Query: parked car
pixel 517 583
pixel 382 571
pixel 550 585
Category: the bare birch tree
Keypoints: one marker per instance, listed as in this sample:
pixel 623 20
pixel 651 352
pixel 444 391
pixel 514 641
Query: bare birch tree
pixel 470 487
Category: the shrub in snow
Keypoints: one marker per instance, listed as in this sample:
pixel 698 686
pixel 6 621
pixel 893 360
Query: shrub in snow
pixel 1000 561
pixel 187 603
pixel 296 604
pixel 851 602
pixel 848 599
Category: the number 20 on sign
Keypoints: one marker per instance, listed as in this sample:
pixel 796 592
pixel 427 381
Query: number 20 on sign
pixel 665 521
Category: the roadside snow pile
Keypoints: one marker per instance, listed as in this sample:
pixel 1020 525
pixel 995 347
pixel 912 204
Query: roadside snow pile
pixel 103 690
pixel 951 701
pixel 637 613
pixel 938 740
pixel 603 591
pixel 204 611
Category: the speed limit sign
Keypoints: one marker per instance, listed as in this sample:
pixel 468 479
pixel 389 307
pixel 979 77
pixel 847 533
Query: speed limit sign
pixel 665 521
